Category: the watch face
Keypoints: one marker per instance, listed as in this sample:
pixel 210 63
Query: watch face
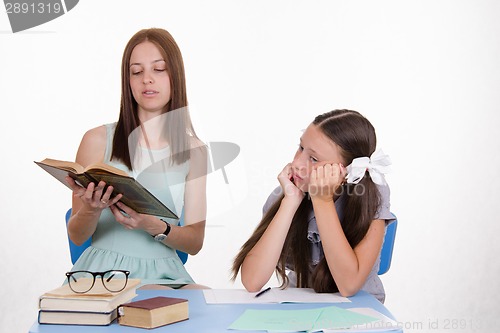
pixel 160 237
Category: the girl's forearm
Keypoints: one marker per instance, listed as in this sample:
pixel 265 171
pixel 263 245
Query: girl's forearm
pixel 261 261
pixel 341 258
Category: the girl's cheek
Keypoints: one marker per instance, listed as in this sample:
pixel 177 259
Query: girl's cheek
pixel 305 173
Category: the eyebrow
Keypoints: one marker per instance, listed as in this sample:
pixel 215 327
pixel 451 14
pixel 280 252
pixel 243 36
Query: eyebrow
pixel 153 62
pixel 312 150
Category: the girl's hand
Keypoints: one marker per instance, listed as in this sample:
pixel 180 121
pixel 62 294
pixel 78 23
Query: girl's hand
pixel 289 189
pixel 326 180
pixel 93 197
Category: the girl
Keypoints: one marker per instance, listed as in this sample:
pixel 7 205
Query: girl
pixel 153 139
pixel 327 232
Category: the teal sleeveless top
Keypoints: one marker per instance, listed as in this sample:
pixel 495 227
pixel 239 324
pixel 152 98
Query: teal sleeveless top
pixel 115 247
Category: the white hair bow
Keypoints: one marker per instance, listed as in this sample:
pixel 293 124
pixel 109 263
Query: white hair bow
pixel 377 165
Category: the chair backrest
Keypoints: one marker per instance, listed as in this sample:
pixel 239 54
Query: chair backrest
pixel 388 247
pixel 77 250
pixel 182 255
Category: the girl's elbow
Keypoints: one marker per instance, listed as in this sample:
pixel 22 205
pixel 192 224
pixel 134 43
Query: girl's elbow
pixel 344 293
pixel 250 282
pixel 348 291
pixel 250 285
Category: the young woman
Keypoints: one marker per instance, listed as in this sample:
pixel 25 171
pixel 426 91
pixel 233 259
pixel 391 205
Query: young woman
pixel 155 142
pixel 326 231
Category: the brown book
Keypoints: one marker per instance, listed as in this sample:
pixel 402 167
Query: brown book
pixel 98 299
pixel 135 195
pixel 153 312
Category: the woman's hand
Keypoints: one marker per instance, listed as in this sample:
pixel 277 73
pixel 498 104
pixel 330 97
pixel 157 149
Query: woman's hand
pixel 290 190
pixel 94 197
pixel 326 180
pixel 133 220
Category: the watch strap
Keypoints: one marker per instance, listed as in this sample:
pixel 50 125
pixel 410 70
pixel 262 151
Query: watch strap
pixel 169 227
pixel 165 233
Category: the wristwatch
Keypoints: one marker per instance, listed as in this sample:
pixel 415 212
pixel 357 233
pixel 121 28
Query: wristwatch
pixel 161 237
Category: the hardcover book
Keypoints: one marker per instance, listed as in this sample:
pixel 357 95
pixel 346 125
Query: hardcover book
pixel 98 299
pixel 134 194
pixel 153 312
pixel 76 318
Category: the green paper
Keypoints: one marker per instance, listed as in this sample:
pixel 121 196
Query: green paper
pixel 333 317
pixel 276 320
pixel 299 320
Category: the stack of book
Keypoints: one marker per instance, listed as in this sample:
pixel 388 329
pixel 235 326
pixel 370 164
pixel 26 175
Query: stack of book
pixel 96 307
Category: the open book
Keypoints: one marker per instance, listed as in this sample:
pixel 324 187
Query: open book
pixel 135 195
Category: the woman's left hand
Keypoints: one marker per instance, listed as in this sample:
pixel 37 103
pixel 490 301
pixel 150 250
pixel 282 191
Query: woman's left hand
pixel 132 219
pixel 326 178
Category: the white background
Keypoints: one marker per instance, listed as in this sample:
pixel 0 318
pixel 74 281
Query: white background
pixel 425 73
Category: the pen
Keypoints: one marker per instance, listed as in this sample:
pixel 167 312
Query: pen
pixel 263 291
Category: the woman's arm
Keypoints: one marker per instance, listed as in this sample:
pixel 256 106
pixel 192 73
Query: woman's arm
pixel 86 203
pixel 188 238
pixel 260 263
pixel 349 267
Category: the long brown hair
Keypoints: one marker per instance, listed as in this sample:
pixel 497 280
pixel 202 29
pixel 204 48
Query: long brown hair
pixel 179 128
pixel 355 135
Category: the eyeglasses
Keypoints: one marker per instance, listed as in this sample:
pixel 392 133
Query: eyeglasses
pixel 82 281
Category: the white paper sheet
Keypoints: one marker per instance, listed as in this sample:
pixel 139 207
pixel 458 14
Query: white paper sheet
pixel 275 295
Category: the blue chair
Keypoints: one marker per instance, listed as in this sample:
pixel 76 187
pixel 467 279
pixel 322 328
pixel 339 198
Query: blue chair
pixel 388 247
pixel 77 250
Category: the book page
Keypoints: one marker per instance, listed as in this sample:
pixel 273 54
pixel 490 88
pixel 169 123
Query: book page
pixel 100 167
pixel 97 290
pixel 61 173
pixel 66 165
pixel 275 295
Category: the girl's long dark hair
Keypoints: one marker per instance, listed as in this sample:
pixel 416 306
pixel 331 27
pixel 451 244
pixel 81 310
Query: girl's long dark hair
pixel 179 128
pixel 355 135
